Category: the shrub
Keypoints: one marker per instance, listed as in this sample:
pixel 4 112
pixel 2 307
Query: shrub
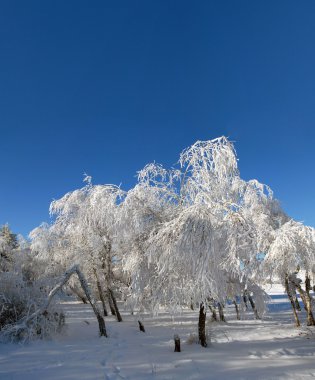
pixel 18 301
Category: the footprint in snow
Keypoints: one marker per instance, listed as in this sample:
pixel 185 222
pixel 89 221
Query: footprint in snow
pixel 114 374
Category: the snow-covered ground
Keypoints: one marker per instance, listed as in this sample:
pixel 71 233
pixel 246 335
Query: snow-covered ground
pixel 271 348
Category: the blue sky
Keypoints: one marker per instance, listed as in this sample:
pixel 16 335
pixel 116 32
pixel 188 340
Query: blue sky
pixel 106 87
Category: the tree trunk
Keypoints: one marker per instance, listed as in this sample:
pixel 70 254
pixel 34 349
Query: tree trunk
pixel 286 285
pixel 100 319
pixel 177 343
pixel 237 310
pixel 112 297
pixel 306 298
pixel 111 305
pixel 78 294
pixel 310 317
pixel 245 300
pixel 212 309
pixel 202 326
pixel 102 298
pixel 100 293
pixel 214 316
pixel 252 304
pixel 141 327
pixel 296 301
pixel 221 312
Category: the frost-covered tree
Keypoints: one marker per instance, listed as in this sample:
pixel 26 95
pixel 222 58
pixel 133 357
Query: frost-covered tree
pixel 23 289
pixel 84 233
pixel 150 203
pixel 195 229
pixel 291 251
pixel 191 235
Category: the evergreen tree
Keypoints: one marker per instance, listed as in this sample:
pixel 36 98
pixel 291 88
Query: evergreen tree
pixel 9 237
pixel 8 242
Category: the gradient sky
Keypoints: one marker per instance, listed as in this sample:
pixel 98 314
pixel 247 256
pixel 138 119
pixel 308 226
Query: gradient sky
pixel 104 87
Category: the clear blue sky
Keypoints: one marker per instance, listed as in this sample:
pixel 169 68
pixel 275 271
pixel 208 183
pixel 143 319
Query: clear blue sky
pixel 104 87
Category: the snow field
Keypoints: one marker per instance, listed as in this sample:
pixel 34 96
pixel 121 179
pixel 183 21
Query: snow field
pixel 271 348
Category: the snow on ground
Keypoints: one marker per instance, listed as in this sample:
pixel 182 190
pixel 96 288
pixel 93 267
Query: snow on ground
pixel 271 348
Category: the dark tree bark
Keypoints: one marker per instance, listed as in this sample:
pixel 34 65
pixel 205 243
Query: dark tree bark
pixel 177 343
pixel 245 300
pixel 141 327
pixel 306 298
pixel 252 304
pixel 214 316
pixel 287 288
pixel 211 306
pixel 111 304
pixel 117 313
pixel 100 319
pixel 296 301
pixel 102 298
pixel 237 310
pixel 106 265
pixel 310 316
pixel 202 326
pixel 78 294
pixel 221 312
pixel 101 293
